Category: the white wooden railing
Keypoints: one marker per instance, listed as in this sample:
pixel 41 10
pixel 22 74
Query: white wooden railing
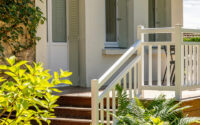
pixel 179 62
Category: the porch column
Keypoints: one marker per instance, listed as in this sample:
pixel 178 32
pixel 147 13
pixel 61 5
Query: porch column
pixel 177 12
pixel 41 47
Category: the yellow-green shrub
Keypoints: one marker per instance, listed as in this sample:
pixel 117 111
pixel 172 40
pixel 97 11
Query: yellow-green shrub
pixel 26 93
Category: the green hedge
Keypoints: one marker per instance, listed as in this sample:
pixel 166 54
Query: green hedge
pixel 193 39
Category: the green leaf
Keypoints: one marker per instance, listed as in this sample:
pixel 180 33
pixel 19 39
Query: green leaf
pixel 56 76
pixel 2 79
pixel 20 63
pixel 66 81
pixel 3 67
pixel 64 74
pixel 11 60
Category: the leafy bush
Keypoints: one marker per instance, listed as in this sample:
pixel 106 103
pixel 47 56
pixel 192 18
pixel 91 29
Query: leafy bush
pixel 160 111
pixel 26 94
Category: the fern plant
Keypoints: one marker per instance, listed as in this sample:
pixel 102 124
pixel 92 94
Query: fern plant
pixel 160 111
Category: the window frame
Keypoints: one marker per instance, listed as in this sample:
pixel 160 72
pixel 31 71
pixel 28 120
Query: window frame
pixel 112 44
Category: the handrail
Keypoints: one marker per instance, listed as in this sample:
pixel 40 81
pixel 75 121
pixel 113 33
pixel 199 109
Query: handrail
pixel 158 43
pixel 190 30
pixel 118 64
pixel 157 30
pixel 119 76
pixel 190 43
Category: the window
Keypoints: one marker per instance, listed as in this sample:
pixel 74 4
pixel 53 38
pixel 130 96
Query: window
pixel 111 24
pixel 59 20
pixel 116 23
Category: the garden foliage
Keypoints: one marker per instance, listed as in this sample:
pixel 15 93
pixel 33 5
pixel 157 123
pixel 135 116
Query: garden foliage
pixel 26 94
pixel 160 111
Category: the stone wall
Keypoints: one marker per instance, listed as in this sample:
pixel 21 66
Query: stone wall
pixel 25 54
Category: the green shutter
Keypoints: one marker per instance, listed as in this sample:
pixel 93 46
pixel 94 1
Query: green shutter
pixel 59 20
pixel 73 20
pixel 74 40
pixel 123 23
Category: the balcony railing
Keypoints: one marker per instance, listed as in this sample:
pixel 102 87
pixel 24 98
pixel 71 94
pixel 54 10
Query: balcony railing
pixel 170 66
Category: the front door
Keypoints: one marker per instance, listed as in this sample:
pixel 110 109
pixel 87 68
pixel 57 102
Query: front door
pixel 57 35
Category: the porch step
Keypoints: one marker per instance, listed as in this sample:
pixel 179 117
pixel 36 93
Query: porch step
pixel 74 101
pixel 69 121
pixel 73 112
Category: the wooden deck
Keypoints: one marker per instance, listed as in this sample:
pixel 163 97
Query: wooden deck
pixel 75 104
pixel 148 94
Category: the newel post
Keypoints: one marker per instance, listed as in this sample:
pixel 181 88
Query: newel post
pixel 140 36
pixel 177 38
pixel 95 106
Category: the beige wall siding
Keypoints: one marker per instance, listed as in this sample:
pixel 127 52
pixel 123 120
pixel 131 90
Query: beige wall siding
pixel 95 62
pixel 141 13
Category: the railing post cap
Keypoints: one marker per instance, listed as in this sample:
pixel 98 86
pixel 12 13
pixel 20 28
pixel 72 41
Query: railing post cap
pixel 140 26
pixel 179 25
pixel 94 80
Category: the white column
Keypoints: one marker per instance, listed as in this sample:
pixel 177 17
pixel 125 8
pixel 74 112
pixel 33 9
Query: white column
pixel 41 47
pixel 95 108
pixel 178 62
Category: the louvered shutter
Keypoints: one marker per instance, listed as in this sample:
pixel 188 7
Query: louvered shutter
pixel 122 23
pixel 74 40
pixel 73 20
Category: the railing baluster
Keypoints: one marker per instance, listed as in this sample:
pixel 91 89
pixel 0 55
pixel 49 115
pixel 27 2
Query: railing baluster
pixel 182 65
pixel 130 84
pixel 168 65
pixel 190 65
pixel 135 79
pixel 141 70
pixel 195 65
pixel 125 83
pixel 150 65
pixel 102 111
pixel 108 109
pixel 198 65
pixel 159 66
pixel 186 65
pixel 113 104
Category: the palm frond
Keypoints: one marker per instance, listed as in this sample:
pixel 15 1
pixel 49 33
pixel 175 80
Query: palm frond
pixel 189 120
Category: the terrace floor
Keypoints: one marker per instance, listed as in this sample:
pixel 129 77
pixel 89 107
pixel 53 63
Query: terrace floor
pixel 148 94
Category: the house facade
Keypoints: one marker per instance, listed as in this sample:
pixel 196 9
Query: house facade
pixel 87 36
